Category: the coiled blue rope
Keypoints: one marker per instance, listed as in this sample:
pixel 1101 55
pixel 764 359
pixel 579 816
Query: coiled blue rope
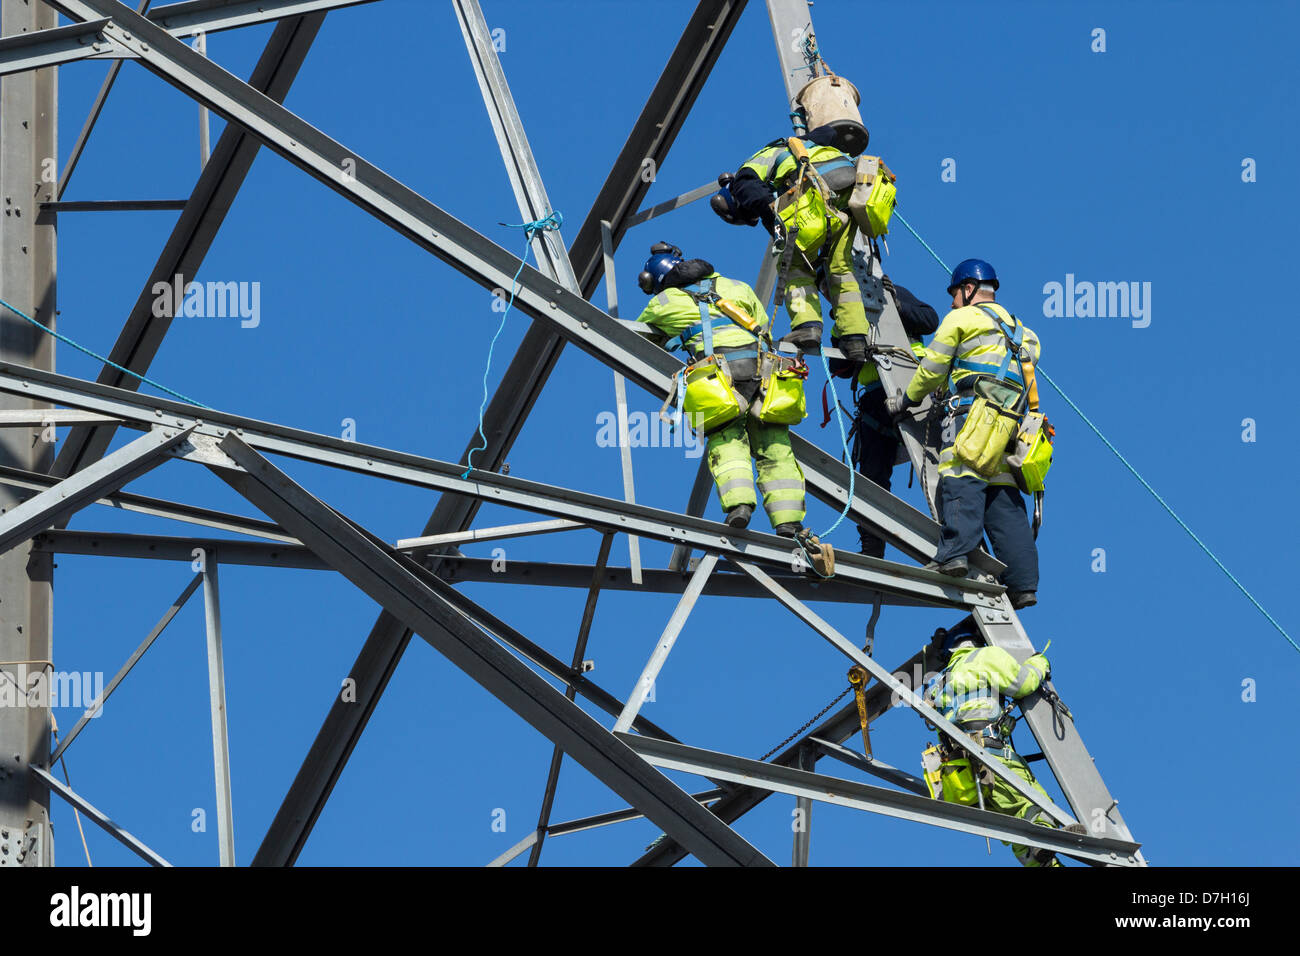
pixel 1125 462
pixel 95 355
pixel 844 443
pixel 531 230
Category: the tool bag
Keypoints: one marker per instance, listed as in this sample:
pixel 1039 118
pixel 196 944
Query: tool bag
pixel 782 394
pixel 999 406
pixel 871 203
pixel 804 208
pixel 704 389
pixel 1031 454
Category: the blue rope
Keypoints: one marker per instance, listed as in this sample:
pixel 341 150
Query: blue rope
pixel 1125 462
pixel 531 231
pixel 97 356
pixel 899 216
pixel 1181 523
pixel 844 442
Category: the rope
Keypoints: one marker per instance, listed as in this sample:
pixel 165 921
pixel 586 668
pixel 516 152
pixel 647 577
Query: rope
pixel 1133 471
pixel 1173 514
pixel 899 216
pixel 844 442
pixel 63 762
pixel 531 231
pixel 98 357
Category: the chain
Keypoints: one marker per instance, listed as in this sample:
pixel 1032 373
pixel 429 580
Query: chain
pixel 816 717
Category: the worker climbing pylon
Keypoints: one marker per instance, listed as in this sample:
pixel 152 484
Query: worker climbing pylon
pixel 812 231
pixel 987 358
pixel 739 393
pixel 875 437
pixel 976 690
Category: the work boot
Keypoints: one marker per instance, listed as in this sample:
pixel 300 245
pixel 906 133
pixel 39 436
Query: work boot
pixel 1022 599
pixel 872 546
pixel 806 338
pixel 954 567
pixel 788 530
pixel 738 517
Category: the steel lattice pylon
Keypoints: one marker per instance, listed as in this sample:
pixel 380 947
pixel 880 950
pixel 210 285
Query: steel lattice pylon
pixel 414 581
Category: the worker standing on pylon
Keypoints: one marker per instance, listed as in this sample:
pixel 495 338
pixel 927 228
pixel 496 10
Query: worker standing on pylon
pixel 976 690
pixel 987 357
pixel 740 394
pixel 875 437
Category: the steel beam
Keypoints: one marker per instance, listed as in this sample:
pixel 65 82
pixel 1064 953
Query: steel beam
pixel 862 796
pixel 680 559
pixel 217 706
pixel 41 48
pixel 663 647
pixel 117 205
pixel 194 232
pixel 142 504
pixel 103 477
pixel 98 817
pixel 474 535
pixel 453 570
pixel 579 652
pixel 388 578
pixel 97 704
pixel 619 816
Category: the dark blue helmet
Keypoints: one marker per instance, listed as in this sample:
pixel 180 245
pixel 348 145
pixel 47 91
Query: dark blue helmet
pixel 976 269
pixel 663 257
pixel 965 634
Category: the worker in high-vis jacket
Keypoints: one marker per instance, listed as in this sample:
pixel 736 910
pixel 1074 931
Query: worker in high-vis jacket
pixel 975 690
pixel 974 343
pixel 679 287
pixel 875 436
pixel 771 171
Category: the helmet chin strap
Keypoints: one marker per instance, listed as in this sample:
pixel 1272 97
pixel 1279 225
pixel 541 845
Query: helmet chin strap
pixel 966 299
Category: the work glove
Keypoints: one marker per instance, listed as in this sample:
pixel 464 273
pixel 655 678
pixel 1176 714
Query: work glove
pixel 896 406
pixel 806 338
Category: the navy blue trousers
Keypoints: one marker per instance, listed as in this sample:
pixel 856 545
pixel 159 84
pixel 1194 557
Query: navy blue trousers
pixel 970 508
pixel 874 452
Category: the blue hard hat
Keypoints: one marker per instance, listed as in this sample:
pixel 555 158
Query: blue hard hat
pixel 965 634
pixel 662 259
pixel 976 269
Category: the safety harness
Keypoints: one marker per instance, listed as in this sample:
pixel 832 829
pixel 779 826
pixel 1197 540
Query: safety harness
pixel 964 395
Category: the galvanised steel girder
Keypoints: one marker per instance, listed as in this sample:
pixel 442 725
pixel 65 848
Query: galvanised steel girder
pixel 893 803
pixel 83 41
pixel 456 569
pixel 388 578
pixel 72 494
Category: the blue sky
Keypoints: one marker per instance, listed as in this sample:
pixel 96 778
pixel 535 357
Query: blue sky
pixel 1116 166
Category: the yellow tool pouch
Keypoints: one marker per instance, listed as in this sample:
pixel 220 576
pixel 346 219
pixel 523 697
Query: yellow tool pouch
pixel 804 216
pixel 1031 455
pixel 958 782
pixel 783 400
pixel 872 201
pixel 709 400
pixel 990 426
